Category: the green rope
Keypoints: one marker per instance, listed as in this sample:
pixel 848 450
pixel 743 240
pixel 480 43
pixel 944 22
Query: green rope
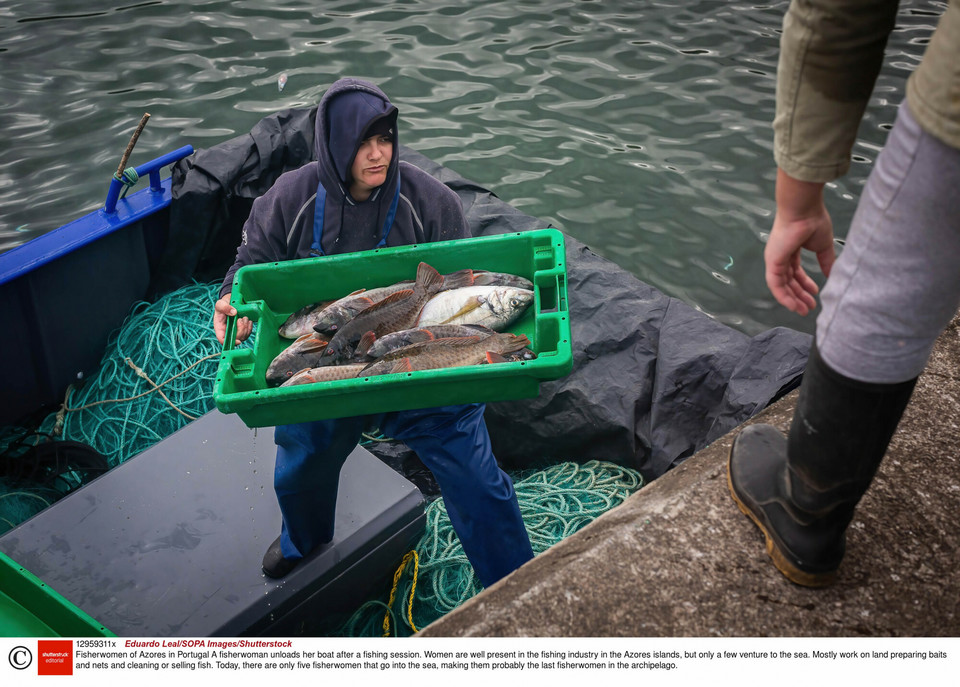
pixel 162 339
pixel 120 411
pixel 158 372
pixel 555 503
pixel 129 179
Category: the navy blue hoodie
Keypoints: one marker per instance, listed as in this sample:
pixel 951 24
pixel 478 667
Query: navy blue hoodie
pixel 281 221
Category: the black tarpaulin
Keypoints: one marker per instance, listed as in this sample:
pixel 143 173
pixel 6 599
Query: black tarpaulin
pixel 653 381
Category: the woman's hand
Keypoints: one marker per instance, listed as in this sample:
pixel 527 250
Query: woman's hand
pixel 221 311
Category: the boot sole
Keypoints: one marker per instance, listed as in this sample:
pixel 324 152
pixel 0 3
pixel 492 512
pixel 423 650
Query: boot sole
pixel 790 571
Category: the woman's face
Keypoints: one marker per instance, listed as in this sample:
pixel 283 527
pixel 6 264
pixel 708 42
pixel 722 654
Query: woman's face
pixel 370 166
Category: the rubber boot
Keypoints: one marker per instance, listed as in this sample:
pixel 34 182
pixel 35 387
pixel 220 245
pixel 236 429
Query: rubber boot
pixel 801 490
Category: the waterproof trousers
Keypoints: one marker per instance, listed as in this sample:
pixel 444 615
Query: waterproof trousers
pixel 452 442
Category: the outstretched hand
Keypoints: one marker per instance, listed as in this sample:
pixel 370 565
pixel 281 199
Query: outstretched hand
pixel 221 311
pixel 802 221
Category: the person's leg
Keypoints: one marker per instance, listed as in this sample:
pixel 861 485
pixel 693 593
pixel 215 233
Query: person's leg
pixel 801 490
pixel 892 291
pixel 453 442
pixel 306 481
pixel 896 284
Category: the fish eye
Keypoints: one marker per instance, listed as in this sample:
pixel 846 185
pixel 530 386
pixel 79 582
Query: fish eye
pixel 515 302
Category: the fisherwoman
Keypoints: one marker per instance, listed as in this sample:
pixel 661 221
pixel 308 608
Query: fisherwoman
pixel 358 195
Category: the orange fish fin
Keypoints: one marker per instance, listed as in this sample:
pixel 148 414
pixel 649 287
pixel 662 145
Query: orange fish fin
pixel 428 278
pixel 402 365
pixel 362 303
pixel 366 341
pixel 400 295
pixel 494 357
pixel 311 342
pixel 471 305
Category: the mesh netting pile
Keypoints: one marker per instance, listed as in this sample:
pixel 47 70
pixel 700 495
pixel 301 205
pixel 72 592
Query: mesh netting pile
pixel 157 374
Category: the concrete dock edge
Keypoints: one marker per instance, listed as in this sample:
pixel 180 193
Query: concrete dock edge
pixel 678 559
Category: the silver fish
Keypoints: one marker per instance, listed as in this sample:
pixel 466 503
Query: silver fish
pixel 302 321
pixel 496 307
pixel 395 312
pixel 341 311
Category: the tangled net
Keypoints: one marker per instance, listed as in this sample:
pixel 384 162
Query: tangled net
pixel 156 375
pixel 555 503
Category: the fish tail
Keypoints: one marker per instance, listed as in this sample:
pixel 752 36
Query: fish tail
pixel 428 278
pixel 515 343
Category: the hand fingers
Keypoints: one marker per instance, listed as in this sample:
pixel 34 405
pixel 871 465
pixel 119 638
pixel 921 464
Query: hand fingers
pixel 223 306
pixel 793 289
pixel 244 327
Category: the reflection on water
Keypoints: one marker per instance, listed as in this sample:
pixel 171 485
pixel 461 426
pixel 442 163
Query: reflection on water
pixel 640 128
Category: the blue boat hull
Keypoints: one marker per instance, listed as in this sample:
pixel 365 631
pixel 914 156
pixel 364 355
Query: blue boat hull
pixel 63 293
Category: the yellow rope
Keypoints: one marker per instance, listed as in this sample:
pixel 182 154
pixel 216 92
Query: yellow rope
pixel 396 581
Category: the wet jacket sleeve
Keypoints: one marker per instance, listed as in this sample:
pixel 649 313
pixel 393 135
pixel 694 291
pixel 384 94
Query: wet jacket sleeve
pixel 831 52
pixel 262 239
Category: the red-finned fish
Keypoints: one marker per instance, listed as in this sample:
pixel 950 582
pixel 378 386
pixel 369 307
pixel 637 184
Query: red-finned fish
pixel 330 373
pixel 442 353
pixel 496 307
pixel 305 352
pixel 302 321
pixel 341 311
pixel 395 312
pixel 370 347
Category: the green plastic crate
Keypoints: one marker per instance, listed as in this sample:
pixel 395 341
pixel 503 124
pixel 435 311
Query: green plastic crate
pixel 29 608
pixel 268 293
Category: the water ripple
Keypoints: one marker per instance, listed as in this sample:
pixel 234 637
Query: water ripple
pixel 642 129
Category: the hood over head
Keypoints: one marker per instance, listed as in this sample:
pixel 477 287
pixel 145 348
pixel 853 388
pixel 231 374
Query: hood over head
pixel 350 111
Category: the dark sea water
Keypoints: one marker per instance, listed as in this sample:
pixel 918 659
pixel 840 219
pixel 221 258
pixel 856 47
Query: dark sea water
pixel 640 128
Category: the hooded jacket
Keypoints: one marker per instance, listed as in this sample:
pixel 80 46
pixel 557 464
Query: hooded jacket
pixel 281 225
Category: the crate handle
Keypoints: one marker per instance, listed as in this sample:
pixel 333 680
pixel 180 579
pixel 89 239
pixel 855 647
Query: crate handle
pixel 231 336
